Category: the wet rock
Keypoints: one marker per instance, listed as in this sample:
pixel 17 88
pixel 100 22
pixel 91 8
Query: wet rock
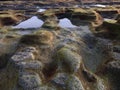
pixel 70 61
pixel 29 81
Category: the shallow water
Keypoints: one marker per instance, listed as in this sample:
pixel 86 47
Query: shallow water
pixel 33 22
pixel 66 23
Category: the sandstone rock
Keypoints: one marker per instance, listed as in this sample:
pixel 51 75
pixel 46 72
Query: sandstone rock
pixel 109 29
pixel 10 18
pixel 70 61
pixel 41 37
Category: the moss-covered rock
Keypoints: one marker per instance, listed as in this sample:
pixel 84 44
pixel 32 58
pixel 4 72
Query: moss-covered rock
pixel 69 60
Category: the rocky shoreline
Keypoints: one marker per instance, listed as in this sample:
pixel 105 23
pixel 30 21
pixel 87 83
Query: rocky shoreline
pixel 72 49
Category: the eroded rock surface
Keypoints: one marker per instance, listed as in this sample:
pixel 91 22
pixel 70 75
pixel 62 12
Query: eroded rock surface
pixel 58 58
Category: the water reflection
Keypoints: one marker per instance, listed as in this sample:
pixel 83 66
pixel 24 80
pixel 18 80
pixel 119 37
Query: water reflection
pixel 33 22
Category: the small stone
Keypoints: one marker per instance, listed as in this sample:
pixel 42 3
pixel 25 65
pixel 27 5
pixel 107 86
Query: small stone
pixel 28 81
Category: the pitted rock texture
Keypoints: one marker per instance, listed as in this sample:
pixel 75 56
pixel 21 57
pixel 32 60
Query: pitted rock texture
pixel 29 81
pixel 57 58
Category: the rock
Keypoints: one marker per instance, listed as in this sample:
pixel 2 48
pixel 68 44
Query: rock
pixel 29 49
pixel 22 56
pixel 115 56
pixel 40 37
pixel 70 61
pixel 60 80
pixel 90 77
pixel 10 18
pixel 51 23
pixel 44 88
pixel 114 65
pixel 109 29
pixel 29 81
pixel 73 83
pixel 67 82
pixel 101 85
pixel 116 49
pixel 37 65
pixel 76 15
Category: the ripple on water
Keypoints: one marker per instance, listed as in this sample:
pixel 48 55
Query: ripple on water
pixel 33 22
